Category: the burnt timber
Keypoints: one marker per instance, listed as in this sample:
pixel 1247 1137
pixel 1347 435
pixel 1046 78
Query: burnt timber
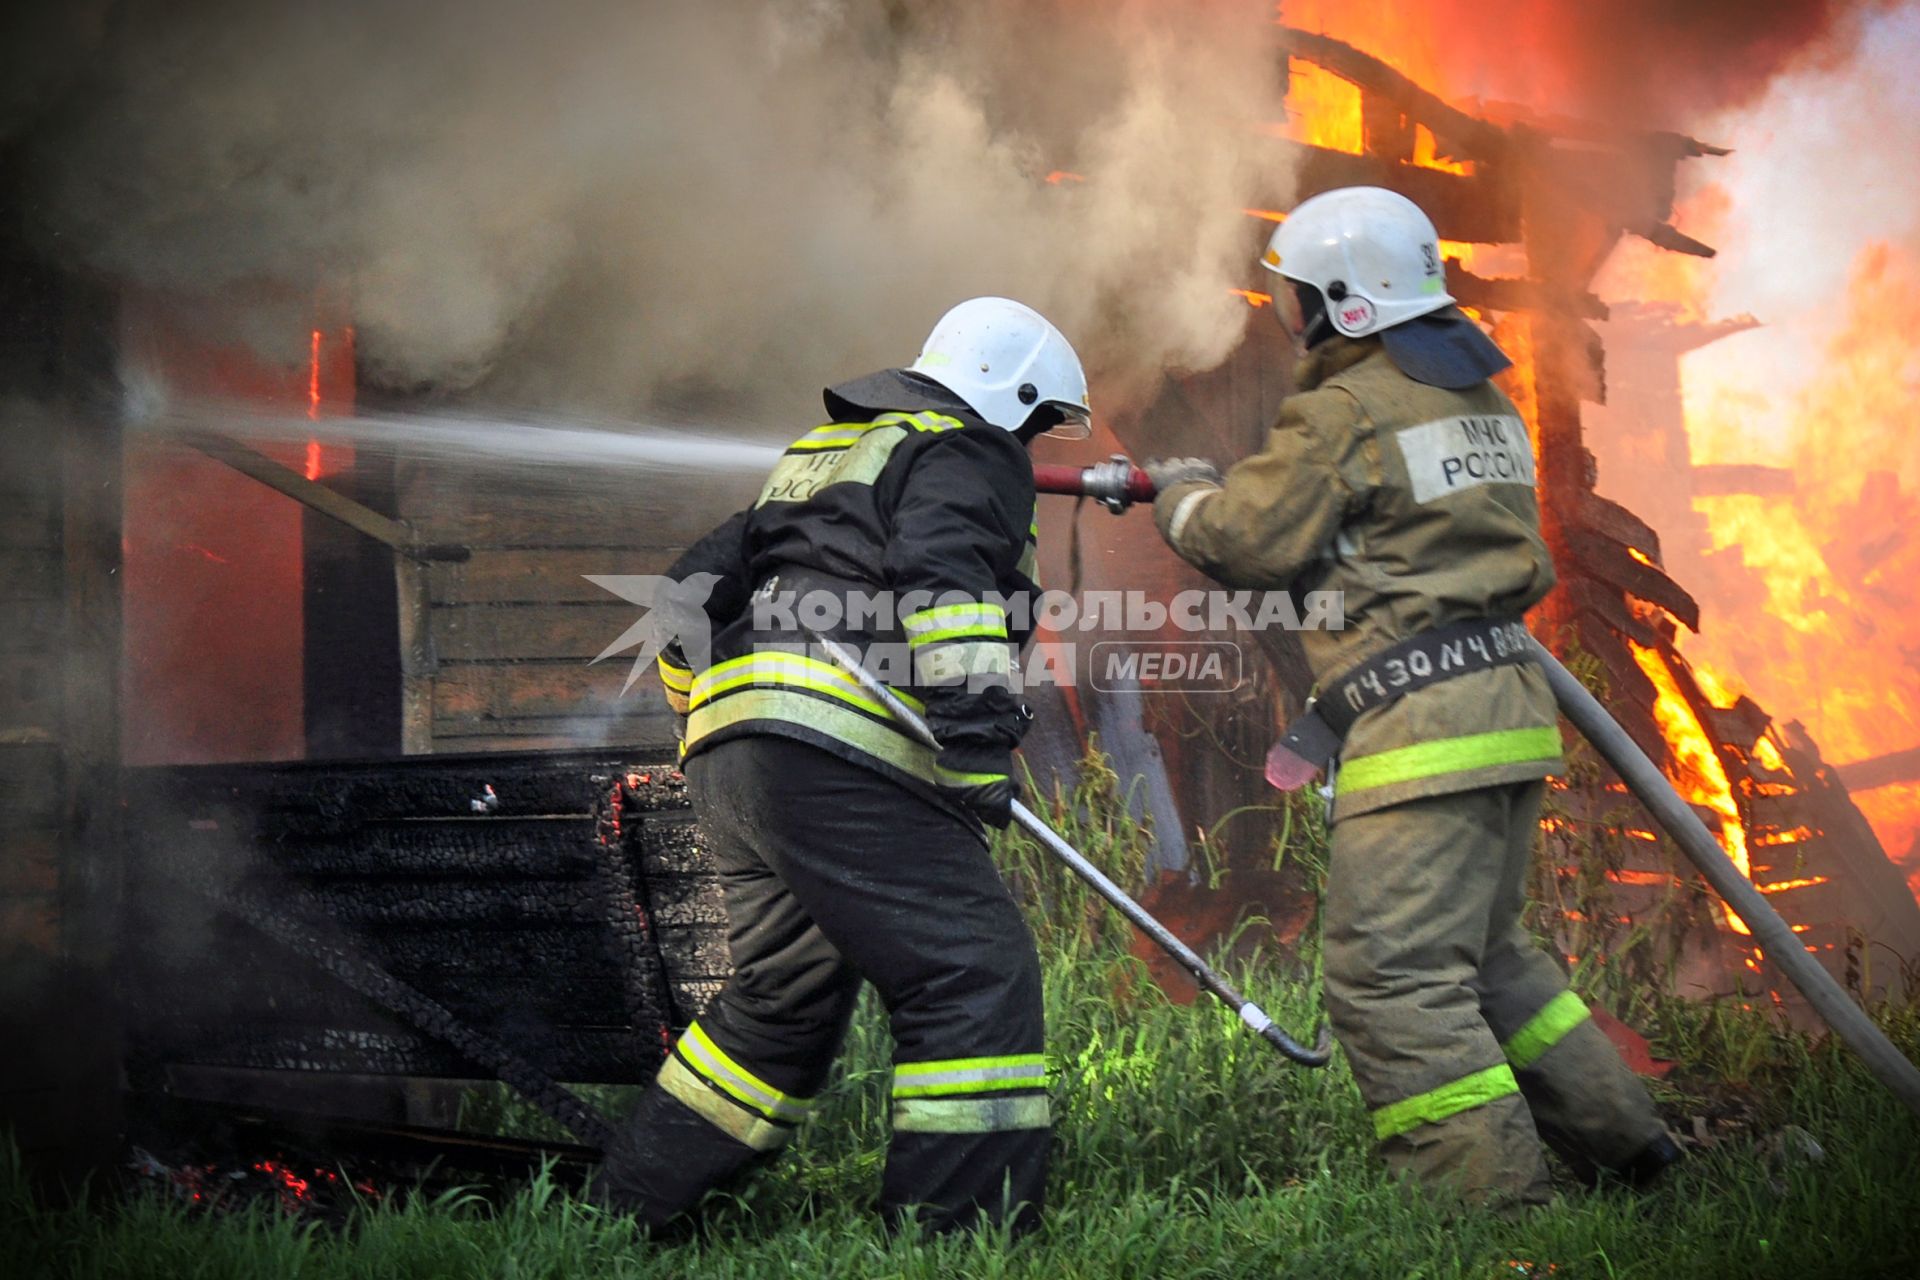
pixel 556 905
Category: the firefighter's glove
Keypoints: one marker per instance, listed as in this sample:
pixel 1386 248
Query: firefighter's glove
pixel 980 778
pixel 1168 472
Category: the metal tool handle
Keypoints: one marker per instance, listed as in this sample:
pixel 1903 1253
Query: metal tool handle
pixel 1250 1013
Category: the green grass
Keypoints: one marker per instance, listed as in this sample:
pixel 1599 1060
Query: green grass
pixel 1184 1147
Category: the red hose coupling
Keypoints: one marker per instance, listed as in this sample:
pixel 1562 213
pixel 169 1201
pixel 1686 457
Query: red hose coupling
pixel 1115 484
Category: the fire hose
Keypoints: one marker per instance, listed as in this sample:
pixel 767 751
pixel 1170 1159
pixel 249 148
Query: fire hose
pixel 1250 1013
pixel 1118 484
pixel 1115 484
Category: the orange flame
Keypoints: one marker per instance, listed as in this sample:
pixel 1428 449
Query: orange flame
pixel 1697 772
pixel 1426 154
pixel 1323 110
pixel 1781 886
pixel 1818 606
pixel 313 404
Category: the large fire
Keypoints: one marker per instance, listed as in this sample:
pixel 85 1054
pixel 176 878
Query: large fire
pixel 1817 600
pixel 1812 596
pixel 1697 770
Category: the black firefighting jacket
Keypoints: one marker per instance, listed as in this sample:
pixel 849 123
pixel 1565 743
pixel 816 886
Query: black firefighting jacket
pixel 926 510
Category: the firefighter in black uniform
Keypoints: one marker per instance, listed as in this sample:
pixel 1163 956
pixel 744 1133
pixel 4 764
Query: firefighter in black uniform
pixel 847 850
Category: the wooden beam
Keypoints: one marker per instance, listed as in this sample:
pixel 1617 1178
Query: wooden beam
pixel 1482 209
pixel 1468 137
pixel 1881 771
pixel 327 502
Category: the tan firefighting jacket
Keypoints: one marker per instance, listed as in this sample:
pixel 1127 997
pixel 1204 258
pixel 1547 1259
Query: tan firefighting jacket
pixel 1417 504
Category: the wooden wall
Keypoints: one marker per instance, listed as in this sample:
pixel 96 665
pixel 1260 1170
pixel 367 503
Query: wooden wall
pixel 59 653
pixel 511 633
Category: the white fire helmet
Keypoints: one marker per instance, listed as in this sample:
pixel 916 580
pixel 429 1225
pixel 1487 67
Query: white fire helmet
pixel 1372 254
pixel 1005 360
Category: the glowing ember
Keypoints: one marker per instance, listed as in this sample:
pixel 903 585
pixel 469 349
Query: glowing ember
pixel 1658 879
pixel 1783 885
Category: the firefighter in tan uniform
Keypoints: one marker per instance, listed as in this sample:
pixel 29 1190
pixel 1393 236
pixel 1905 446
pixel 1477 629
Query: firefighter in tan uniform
pixel 1402 478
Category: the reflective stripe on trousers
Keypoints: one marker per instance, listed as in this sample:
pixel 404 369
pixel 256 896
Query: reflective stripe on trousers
pixel 945 1096
pixel 1545 1029
pixel 728 1095
pixel 1540 1033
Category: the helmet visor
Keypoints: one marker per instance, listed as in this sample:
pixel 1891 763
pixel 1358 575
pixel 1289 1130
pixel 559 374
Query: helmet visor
pixel 1076 423
pixel 1286 307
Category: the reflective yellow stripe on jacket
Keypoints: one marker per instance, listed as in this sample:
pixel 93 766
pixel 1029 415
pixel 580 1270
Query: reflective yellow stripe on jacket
pixel 808 692
pixel 951 642
pixel 676 681
pixel 1447 755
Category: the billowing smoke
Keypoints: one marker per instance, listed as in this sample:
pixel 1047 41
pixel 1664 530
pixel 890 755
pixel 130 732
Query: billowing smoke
pixel 604 204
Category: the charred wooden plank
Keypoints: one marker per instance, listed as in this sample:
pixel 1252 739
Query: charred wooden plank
pixel 352 793
pixel 1882 771
pixel 507 923
pixel 1479 209
pixel 490 848
pixel 1611 561
pixel 30 785
pixel 567 1052
pixel 1604 516
pixel 673 846
pixel 470 693
pixel 29 626
pixel 1465 136
pixel 1741 724
pixel 488 632
pixel 556 575
pixel 1519 295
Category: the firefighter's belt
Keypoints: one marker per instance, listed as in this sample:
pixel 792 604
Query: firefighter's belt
pixel 1444 653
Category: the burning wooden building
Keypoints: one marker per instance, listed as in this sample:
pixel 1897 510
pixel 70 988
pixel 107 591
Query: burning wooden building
pixel 310 784
pixel 1545 204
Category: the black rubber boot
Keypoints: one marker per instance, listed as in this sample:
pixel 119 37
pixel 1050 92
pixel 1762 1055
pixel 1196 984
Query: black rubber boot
pixel 665 1158
pixel 1654 1160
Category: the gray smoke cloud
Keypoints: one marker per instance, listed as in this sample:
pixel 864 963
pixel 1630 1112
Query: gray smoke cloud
pixel 605 205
